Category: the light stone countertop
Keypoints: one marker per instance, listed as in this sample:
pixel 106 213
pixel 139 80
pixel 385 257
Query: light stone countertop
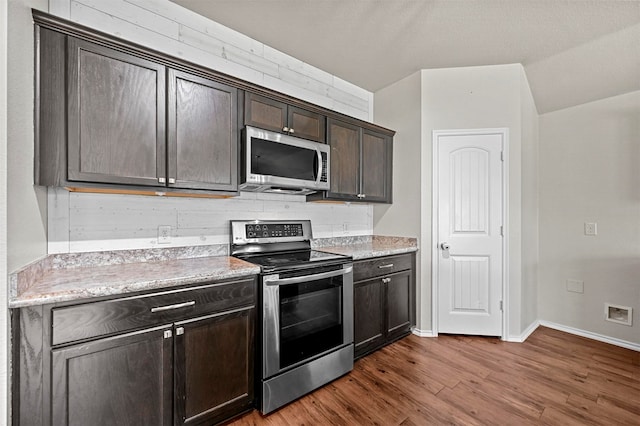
pixel 369 246
pixel 83 282
pixel 77 276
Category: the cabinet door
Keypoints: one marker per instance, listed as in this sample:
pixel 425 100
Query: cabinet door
pixel 264 113
pixel 344 140
pixel 398 305
pixel 116 116
pixel 376 167
pixel 214 367
pixel 123 380
pixel 306 124
pixel 369 318
pixel 202 133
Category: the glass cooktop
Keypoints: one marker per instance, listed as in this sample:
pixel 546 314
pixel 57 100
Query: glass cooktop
pixel 291 259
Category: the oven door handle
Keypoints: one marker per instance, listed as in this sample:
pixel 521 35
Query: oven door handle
pixel 272 280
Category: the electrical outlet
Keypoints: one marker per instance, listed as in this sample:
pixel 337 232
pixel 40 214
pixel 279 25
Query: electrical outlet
pixel 164 234
pixel 590 228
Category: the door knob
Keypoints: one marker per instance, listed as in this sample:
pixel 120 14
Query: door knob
pixel 445 246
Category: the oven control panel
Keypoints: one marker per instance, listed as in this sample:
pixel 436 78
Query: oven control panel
pixel 274 230
pixel 247 235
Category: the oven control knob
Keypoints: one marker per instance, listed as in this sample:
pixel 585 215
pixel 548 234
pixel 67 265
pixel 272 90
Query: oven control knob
pixel 265 234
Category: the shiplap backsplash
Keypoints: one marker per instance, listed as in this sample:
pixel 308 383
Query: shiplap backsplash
pixel 172 29
pixel 80 222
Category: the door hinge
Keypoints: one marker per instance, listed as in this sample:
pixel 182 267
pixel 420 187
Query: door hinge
pixel 501 231
pixel 501 155
pixel 501 305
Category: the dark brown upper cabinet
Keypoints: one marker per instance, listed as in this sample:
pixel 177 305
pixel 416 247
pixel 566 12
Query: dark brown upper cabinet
pixel 111 115
pixel 109 118
pixel 202 133
pixel 116 119
pixel 361 164
pixel 270 114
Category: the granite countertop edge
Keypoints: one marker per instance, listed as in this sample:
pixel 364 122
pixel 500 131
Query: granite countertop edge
pixel 372 247
pixel 124 288
pixel 42 293
pixel 362 253
pixel 79 276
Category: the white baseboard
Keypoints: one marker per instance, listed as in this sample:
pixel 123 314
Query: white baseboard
pixel 525 334
pixel 591 335
pixel 423 333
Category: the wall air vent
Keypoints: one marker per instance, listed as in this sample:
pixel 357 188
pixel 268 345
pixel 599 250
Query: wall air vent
pixel 619 314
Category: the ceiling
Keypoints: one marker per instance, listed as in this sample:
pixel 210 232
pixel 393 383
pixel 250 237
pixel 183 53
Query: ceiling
pixel 573 51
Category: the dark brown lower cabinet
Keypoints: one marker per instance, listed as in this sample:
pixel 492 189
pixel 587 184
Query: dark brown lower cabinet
pixel 384 301
pixel 122 380
pixel 183 356
pixel 213 367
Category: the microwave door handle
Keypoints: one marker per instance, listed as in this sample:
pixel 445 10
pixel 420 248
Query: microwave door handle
pixel 306 278
pixel 319 171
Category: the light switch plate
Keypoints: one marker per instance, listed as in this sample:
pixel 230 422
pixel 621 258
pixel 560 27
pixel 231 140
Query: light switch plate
pixel 590 228
pixel 575 286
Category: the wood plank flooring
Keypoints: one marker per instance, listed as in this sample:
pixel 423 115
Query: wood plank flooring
pixel 553 378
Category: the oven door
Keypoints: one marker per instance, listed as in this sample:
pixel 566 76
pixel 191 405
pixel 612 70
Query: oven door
pixel 305 316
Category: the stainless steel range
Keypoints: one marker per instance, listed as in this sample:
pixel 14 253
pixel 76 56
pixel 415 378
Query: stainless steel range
pixel 306 297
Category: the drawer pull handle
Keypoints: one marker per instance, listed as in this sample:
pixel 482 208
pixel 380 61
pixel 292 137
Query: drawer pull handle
pixel 170 307
pixel 388 265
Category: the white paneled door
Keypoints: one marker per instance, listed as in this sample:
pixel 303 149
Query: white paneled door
pixel 469 228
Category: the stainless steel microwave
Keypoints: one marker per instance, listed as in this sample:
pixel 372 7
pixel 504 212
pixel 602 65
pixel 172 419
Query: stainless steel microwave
pixel 273 162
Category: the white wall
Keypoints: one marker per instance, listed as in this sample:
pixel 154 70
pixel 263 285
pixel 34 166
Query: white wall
pixel 530 205
pixel 590 172
pixel 475 98
pixel 463 98
pixel 26 213
pixel 4 314
pixel 398 107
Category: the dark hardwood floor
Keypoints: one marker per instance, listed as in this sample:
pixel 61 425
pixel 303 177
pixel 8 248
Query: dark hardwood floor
pixel 552 378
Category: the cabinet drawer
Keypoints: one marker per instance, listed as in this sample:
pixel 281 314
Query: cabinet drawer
pixel 380 266
pixel 89 320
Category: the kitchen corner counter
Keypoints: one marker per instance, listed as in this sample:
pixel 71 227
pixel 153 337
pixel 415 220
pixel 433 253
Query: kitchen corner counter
pixel 368 246
pixel 47 281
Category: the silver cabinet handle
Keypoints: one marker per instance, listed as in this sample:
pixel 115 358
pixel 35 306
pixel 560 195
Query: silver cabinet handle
pixel 445 246
pixel 162 180
pixel 388 265
pixel 275 280
pixel 179 331
pixel 386 280
pixel 285 129
pixel 291 131
pixel 171 307
pixel 172 180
